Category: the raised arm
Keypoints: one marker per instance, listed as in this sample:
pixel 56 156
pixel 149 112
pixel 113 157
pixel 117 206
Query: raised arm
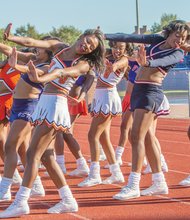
pixel 21 68
pixel 81 68
pixel 24 57
pixel 168 60
pixel 5 49
pixel 135 38
pixel 53 45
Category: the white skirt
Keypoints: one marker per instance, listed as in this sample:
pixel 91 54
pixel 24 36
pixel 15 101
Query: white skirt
pixel 53 110
pixel 106 102
pixel 164 108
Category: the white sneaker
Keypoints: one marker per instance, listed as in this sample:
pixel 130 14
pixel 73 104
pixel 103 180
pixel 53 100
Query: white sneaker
pixel 5 196
pixel 15 210
pixel 17 180
pixel 37 190
pixel 127 193
pixel 157 188
pixel 185 182
pixel 64 206
pixel 90 181
pixel 80 172
pixel 114 179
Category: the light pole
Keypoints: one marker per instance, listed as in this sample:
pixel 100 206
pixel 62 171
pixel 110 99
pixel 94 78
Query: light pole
pixel 137 16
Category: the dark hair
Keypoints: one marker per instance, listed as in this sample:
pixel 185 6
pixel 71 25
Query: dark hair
pixel 27 49
pixel 49 52
pixel 96 57
pixel 176 25
pixel 128 46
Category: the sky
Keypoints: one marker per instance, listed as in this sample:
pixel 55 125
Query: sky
pixel 111 15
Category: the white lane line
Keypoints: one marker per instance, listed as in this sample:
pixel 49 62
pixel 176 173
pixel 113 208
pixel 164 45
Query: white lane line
pixel 173 200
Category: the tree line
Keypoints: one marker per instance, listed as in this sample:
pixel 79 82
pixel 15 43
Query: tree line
pixel 69 34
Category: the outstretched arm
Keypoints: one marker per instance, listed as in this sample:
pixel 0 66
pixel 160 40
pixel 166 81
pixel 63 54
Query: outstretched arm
pixel 53 45
pixel 81 68
pixel 13 63
pixel 24 57
pixel 36 75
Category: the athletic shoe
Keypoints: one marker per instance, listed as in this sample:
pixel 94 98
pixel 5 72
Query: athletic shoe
pixel 5 196
pixel 118 178
pixel 90 181
pixel 127 193
pixel 158 188
pixel 17 180
pixel 69 205
pixel 185 182
pixel 15 210
pixel 80 171
pixel 37 189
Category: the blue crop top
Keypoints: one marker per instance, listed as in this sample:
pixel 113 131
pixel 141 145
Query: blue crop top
pixel 162 59
pixel 25 77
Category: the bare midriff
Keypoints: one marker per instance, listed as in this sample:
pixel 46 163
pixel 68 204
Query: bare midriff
pixel 25 91
pixel 150 74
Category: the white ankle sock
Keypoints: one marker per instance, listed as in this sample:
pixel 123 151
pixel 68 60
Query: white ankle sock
pixel 134 180
pixel 114 168
pixel 23 194
pixel 60 159
pixel 65 193
pixel 81 161
pixel 94 169
pixel 158 177
pixel 119 151
pixel 37 180
pixel 6 183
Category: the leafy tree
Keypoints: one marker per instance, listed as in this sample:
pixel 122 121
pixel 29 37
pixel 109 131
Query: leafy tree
pixel 165 19
pixel 67 34
pixel 28 31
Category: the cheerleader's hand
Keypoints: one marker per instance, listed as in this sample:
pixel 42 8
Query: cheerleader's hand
pixel 7 30
pixel 141 56
pixel 32 74
pixel 13 58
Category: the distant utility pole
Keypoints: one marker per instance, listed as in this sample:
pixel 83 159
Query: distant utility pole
pixel 137 16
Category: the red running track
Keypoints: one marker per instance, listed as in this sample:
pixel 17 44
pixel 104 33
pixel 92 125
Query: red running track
pixel 97 203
